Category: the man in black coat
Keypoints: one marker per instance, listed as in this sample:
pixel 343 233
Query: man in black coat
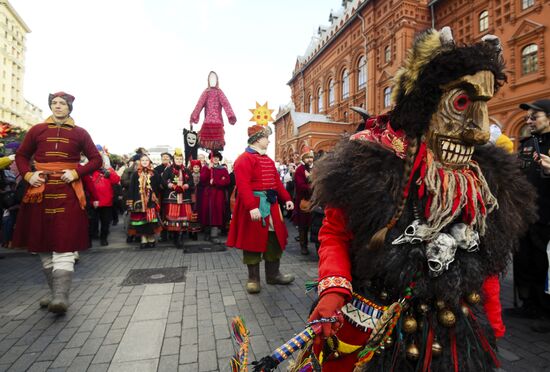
pixel 531 261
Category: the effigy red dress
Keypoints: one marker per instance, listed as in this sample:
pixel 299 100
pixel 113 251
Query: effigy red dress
pixel 57 222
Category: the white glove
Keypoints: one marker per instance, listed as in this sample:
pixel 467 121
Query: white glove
pixel 68 176
pixel 11 157
pixel 36 179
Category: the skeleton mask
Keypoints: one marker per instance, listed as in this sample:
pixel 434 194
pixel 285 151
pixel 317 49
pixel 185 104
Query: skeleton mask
pixel 191 139
pixel 440 253
pixel 461 120
pixel 415 233
pixel 466 237
pixel 212 80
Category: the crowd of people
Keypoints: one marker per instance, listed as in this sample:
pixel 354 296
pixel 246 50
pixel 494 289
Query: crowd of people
pixel 409 222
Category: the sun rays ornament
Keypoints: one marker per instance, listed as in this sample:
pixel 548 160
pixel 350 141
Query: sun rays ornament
pixel 261 115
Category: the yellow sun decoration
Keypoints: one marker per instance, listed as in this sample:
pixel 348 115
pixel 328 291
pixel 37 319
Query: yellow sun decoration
pixel 261 114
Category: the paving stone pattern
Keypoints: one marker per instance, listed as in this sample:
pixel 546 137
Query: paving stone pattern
pixel 180 326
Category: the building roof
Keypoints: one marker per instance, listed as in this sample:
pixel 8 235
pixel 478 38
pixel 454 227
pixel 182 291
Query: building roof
pixel 327 34
pixel 16 15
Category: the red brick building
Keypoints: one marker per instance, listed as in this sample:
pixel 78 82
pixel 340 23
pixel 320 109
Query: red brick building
pixel 351 62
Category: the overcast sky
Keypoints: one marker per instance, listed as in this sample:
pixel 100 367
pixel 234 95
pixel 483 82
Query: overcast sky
pixel 138 67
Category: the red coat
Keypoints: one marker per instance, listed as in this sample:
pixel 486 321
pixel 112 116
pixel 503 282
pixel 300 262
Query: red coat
pixel 100 188
pixel 58 223
pixel 255 172
pixel 303 191
pixel 213 204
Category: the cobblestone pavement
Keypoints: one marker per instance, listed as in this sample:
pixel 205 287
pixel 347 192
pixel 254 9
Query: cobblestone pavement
pixel 176 326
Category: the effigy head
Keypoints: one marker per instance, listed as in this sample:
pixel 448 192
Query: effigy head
pixel 212 80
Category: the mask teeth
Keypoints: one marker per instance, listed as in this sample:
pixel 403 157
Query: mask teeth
pixel 455 153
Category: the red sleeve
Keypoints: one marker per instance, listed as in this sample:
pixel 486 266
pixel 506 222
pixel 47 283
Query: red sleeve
pixel 114 177
pixel 300 180
pixel 26 151
pixel 243 178
pixel 90 151
pixel 334 260
pixel 90 187
pixel 198 108
pixel 492 306
pixel 227 107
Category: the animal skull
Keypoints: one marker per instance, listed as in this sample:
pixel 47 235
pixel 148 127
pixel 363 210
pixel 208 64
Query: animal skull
pixel 415 233
pixel 466 237
pixel 440 253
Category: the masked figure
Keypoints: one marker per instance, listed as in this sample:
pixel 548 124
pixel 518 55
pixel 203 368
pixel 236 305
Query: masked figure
pixel 191 142
pixel 212 100
pixel 426 214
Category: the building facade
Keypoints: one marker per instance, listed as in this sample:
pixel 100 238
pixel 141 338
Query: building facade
pixel 14 108
pixel 351 61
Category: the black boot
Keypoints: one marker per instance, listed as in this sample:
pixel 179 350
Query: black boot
pixel 163 236
pixel 274 276
pixel 178 240
pixel 45 301
pixel 303 240
pixel 62 280
pixel 253 283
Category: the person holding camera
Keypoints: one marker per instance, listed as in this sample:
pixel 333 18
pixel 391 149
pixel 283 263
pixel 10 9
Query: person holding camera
pixel 531 261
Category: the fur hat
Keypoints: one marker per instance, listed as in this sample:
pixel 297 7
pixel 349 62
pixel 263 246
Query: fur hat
pixel 306 152
pixel 256 132
pixel 216 154
pixel 66 96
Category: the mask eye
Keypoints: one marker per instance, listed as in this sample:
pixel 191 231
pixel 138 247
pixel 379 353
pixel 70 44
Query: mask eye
pixel 461 102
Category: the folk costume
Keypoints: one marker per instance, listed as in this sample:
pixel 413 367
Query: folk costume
pixel 144 204
pixel 259 186
pixel 52 219
pixel 426 214
pixel 176 198
pixel 212 100
pixel 195 174
pixel 214 181
pixel 302 213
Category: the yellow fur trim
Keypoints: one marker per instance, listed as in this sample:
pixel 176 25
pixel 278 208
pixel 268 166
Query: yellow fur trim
pixel 425 48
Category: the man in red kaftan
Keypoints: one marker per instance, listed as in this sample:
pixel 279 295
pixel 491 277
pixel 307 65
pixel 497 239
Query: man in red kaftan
pixel 52 219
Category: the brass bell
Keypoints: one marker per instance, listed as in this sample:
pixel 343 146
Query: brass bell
pixel 437 349
pixel 439 304
pixel 423 308
pixel 409 324
pixel 473 298
pixel 383 295
pixel 389 342
pixel 465 310
pixel 412 352
pixel 446 318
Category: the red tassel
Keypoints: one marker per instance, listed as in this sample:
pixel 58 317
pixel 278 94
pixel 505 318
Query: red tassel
pixel 454 354
pixel 484 342
pixel 470 213
pixel 481 204
pixel 428 205
pixel 428 354
pixel 456 201
pixel 417 161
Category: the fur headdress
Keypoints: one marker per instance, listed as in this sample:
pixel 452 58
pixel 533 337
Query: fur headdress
pixel 433 61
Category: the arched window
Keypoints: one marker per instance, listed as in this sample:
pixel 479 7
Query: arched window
pixel 387 97
pixel 529 60
pixel 320 107
pixel 330 92
pixel 387 54
pixel 527 4
pixel 483 21
pixel 310 105
pixel 362 76
pixel 345 84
